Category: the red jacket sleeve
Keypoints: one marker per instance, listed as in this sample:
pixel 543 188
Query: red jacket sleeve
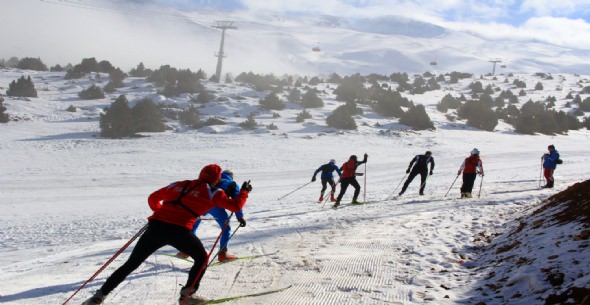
pixel 235 205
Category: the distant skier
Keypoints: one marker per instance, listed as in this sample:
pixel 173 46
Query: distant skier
pixel 349 177
pixel 420 167
pixel 176 208
pixel 470 168
pixel 231 189
pixel 327 178
pixel 550 161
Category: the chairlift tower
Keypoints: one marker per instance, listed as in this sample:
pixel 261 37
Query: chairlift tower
pixel 494 61
pixel 223 25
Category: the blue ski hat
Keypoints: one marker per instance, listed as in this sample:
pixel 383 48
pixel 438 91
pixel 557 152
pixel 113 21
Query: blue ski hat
pixel 332 161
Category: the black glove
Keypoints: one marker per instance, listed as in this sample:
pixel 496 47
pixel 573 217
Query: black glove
pixel 430 173
pixel 231 189
pixel 313 179
pixel 366 156
pixel 242 221
pixel 247 186
pixel 407 171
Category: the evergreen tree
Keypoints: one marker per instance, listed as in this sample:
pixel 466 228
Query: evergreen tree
pixel 388 103
pixel 3 115
pixel 351 89
pixel 190 117
pixel 272 102
pixel 91 93
pixel 448 102
pixel 250 123
pixel 417 118
pixel 22 87
pixel 539 86
pixel 478 115
pixel 140 71
pixel 302 116
pixel 29 63
pixel 147 117
pixel 341 117
pixel 294 95
pixel 311 100
pixel 117 121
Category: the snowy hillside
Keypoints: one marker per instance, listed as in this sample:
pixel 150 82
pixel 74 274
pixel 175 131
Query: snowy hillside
pixel 71 199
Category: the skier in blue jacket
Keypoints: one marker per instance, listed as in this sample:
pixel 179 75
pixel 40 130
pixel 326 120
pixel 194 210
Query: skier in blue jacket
pixel 549 165
pixel 220 214
pixel 327 177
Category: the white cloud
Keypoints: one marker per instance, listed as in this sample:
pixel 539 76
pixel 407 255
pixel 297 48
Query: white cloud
pixel 555 7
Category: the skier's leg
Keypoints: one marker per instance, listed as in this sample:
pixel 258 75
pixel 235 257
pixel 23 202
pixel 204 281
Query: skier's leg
pixel 357 189
pixel 189 243
pixel 221 217
pixel 423 176
pixel 408 181
pixel 147 244
pixel 344 185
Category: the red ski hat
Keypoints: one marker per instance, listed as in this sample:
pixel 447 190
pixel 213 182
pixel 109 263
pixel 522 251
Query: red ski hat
pixel 210 173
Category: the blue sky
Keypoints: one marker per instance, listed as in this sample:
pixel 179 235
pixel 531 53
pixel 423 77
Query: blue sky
pixel 511 12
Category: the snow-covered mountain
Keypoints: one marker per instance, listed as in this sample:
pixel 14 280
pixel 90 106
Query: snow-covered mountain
pixel 275 43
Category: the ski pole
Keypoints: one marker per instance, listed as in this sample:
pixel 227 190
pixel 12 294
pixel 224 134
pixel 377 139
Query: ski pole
pixel 451 186
pixel 293 191
pixel 400 183
pixel 365 184
pixel 541 173
pixel 216 254
pixel 109 261
pixel 205 263
pixel 480 184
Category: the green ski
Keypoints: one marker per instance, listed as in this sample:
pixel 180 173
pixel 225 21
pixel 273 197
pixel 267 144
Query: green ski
pixel 218 301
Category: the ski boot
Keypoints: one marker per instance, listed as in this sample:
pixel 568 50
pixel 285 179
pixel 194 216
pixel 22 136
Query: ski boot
pixel 336 204
pixel 321 198
pixel 96 299
pixel 225 257
pixel 187 298
pixel 332 198
pixel 468 195
pixel 356 202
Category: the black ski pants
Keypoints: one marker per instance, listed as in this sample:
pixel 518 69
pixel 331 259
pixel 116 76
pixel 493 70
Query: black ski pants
pixel 325 183
pixel 349 181
pixel 413 174
pixel 157 235
pixel 468 180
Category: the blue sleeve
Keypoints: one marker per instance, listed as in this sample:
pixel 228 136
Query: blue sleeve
pixel 240 214
pixel 317 171
pixel 338 171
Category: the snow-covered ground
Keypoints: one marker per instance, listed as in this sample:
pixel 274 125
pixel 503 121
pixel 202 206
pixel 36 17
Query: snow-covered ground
pixel 71 199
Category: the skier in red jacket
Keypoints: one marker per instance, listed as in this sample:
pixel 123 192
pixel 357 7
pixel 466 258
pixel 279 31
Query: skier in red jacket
pixel 470 168
pixel 176 208
pixel 349 178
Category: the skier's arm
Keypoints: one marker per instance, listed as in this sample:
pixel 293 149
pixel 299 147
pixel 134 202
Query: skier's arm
pixel 315 173
pixel 480 167
pixel 415 159
pixel 461 168
pixel 338 171
pixel 431 165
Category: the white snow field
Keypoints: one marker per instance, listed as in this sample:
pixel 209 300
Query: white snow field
pixel 71 199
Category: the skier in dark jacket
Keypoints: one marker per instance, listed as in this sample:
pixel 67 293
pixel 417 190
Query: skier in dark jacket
pixel 549 165
pixel 420 163
pixel 327 178
pixel 349 177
